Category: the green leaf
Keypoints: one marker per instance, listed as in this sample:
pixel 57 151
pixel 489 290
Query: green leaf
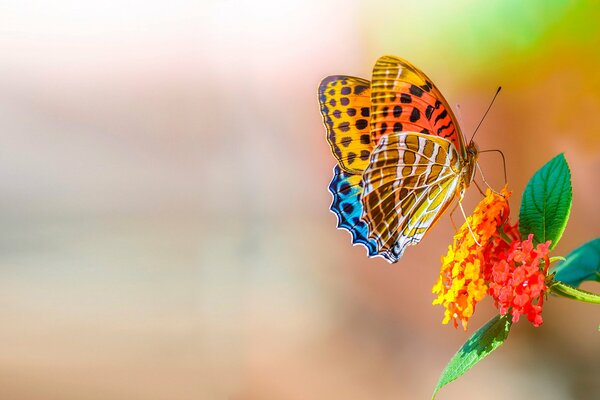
pixel 568 291
pixel 482 343
pixel 546 202
pixel 582 264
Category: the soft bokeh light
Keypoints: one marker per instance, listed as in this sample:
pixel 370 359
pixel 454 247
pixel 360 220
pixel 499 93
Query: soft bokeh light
pixel 164 173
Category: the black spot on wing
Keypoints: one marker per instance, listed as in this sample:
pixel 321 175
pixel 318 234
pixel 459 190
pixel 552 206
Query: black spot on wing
pixel 415 115
pixel 362 124
pixel 415 90
pixel 441 129
pixel 348 207
pixel 358 89
pixel 442 115
pixel 429 111
pixel 351 157
pixel 344 188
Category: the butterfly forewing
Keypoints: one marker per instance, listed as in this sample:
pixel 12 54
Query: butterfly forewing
pixel 403 99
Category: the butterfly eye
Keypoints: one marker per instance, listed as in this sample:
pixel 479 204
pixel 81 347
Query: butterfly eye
pixel 473 149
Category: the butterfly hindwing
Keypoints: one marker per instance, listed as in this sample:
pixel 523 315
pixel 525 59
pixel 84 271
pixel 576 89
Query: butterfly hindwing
pixel 345 106
pixel 411 179
pixel 346 190
pixel 403 99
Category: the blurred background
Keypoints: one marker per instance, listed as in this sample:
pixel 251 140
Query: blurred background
pixel 165 227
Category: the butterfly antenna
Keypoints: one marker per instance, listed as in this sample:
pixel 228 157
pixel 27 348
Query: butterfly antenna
pixel 486 112
pixel 459 115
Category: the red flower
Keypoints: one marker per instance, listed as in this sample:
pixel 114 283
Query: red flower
pixel 500 242
pixel 488 256
pixel 516 279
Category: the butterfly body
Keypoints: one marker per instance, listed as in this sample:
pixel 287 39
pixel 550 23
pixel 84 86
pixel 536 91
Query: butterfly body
pixel 401 151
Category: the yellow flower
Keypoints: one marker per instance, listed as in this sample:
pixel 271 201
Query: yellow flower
pixel 461 283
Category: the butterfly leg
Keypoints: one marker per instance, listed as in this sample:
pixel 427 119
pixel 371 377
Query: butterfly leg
pixel 484 181
pixel 479 188
pixel 452 219
pixel 468 226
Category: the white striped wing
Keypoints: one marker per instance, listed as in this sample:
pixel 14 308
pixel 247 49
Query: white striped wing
pixel 411 179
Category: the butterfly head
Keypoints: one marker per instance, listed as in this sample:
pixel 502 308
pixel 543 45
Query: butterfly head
pixel 472 155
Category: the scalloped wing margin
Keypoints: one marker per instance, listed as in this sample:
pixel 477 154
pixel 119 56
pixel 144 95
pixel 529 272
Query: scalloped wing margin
pixel 346 190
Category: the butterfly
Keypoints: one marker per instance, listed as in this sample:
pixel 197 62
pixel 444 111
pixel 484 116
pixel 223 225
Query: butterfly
pixel 401 157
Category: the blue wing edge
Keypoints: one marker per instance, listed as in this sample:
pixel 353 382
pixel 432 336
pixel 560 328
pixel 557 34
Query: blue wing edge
pixel 347 207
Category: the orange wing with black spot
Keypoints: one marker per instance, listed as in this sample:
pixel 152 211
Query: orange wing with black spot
pixel 345 105
pixel 403 99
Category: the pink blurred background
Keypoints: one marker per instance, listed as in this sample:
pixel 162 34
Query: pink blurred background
pixel 165 225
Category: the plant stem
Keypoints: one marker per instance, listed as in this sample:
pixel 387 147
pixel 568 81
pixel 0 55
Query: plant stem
pixel 503 235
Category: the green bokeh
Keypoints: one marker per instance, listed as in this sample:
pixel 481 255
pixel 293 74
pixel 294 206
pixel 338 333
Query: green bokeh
pixel 481 32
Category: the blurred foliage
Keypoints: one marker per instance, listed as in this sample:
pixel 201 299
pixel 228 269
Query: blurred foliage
pixel 480 33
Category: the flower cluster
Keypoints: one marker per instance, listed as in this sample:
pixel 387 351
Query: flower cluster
pixel 461 283
pixel 488 257
pixel 516 281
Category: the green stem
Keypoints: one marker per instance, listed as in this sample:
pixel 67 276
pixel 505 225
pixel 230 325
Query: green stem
pixel 562 289
pixel 503 235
